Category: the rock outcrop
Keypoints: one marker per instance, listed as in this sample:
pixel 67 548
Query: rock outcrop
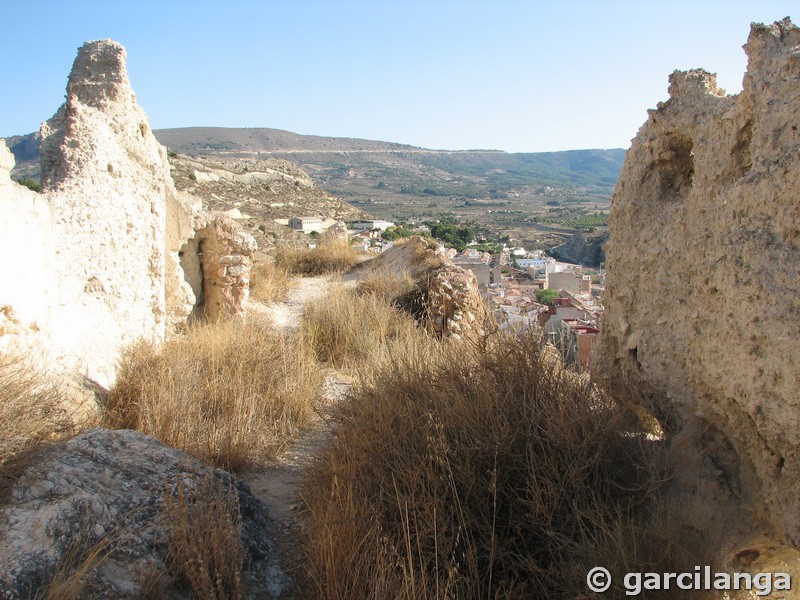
pixel 449 294
pixel 105 491
pixel 99 259
pixel 582 248
pixel 107 181
pixel 703 289
pixel 27 249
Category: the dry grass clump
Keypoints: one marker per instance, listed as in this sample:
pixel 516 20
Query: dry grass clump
pixel 33 412
pixel 333 255
pixel 479 471
pixel 203 527
pixel 228 393
pixel 396 288
pixel 387 284
pixel 73 577
pixel 269 282
pixel 351 330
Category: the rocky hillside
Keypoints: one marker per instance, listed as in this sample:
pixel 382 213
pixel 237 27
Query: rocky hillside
pixel 506 194
pixel 399 182
pixel 256 192
pixel 582 249
pixel 327 155
pixel 703 293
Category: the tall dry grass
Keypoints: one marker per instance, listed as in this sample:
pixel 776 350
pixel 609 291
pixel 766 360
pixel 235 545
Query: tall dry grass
pixel 203 527
pixel 354 331
pixel 228 393
pixel 33 411
pixel 480 471
pixel 333 255
pixel 269 282
pixel 388 285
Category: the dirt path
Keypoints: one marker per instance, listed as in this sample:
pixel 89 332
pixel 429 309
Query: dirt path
pixel 287 316
pixel 277 484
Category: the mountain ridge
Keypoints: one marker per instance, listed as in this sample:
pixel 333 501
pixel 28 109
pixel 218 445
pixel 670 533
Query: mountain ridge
pixel 579 166
pixel 512 196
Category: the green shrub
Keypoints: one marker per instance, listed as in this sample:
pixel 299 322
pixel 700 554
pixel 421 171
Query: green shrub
pixel 547 296
pixel 31 184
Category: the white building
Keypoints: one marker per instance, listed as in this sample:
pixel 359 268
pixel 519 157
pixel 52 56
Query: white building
pixel 306 224
pixel 370 225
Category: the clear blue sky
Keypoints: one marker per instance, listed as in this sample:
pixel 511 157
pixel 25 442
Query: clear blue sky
pixel 511 75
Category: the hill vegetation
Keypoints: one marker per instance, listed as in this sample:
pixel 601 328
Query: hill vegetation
pixel 538 200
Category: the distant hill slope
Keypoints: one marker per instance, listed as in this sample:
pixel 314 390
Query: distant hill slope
pixel 525 197
pixel 465 171
pixel 494 167
pixel 25 149
pixel 213 140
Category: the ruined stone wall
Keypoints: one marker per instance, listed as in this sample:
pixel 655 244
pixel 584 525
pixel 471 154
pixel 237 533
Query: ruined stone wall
pixel 107 182
pixel 26 253
pixel 703 288
pixel 450 294
pixel 94 263
pixel 225 253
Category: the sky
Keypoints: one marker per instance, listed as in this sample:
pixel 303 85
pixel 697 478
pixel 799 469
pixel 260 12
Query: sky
pixel 519 76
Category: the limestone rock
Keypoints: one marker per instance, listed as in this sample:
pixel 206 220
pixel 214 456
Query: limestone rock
pixel 451 295
pixel 455 302
pixel 704 269
pixel 111 485
pixel 102 240
pixel 27 248
pixel 98 259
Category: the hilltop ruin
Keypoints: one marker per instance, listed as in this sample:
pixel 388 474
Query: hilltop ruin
pixel 114 253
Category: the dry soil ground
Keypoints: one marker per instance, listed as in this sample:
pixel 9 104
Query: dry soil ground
pixel 277 484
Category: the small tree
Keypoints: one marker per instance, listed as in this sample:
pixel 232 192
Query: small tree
pixel 547 296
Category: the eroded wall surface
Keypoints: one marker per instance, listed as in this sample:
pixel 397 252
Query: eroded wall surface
pixel 703 287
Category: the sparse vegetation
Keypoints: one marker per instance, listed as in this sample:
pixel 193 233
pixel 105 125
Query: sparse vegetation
pixel 203 526
pixel 396 232
pixel 355 330
pixel 454 236
pixel 582 222
pixel 481 471
pixel 31 184
pixel 490 247
pixel 227 393
pixel 269 282
pixel 33 413
pixel 333 255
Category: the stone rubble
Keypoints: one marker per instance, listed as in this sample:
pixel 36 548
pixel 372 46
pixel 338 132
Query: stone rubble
pixel 450 293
